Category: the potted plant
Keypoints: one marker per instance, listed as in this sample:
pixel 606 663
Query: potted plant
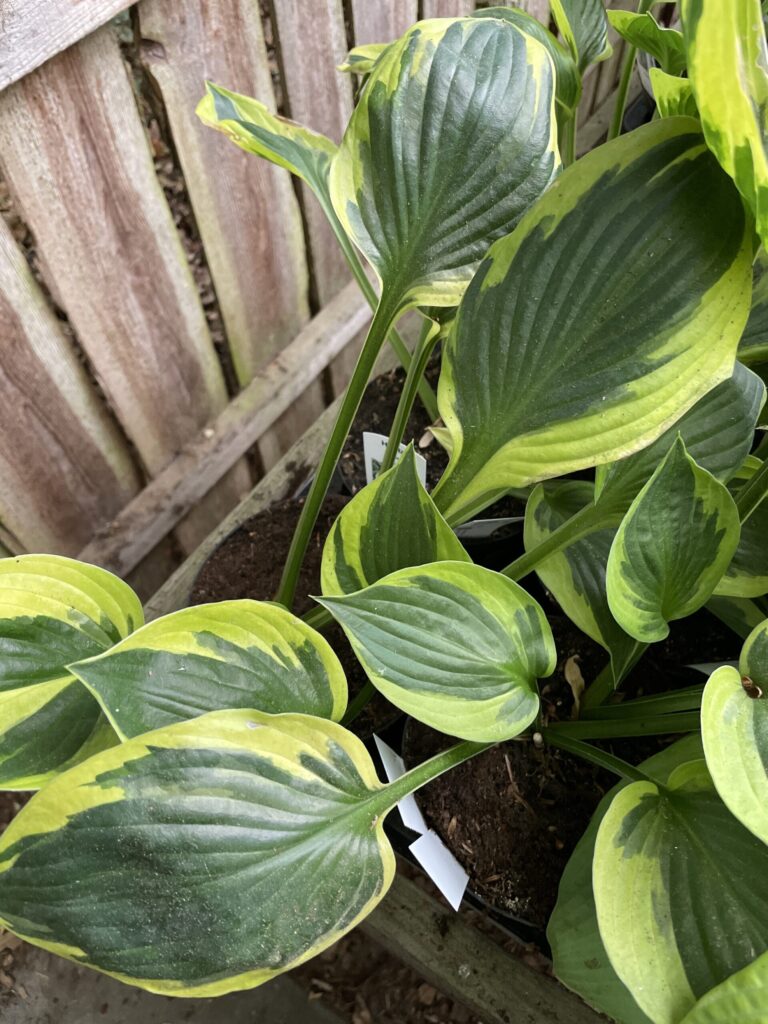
pixel 204 821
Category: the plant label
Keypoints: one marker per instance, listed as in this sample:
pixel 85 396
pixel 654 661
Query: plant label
pixel 374 446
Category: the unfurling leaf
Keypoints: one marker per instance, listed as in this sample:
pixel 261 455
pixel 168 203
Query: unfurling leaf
pixel 584 27
pixel 666 45
pixel 428 175
pixel 680 890
pixel 213 657
pixel 728 68
pixel 674 96
pixel 390 524
pixel 202 858
pixel 672 547
pixel 587 355
pixel 54 611
pixel 456 646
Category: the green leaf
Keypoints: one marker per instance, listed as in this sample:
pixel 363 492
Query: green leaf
pixel 569 346
pixel 54 611
pixel 642 31
pixel 718 433
pixel 202 858
pixel 46 729
pixel 584 27
pixel 681 891
pixel 674 96
pixel 456 646
pixel 753 347
pixel 567 74
pixel 672 547
pixel 579 956
pixel 361 59
pixel 734 728
pixel 232 654
pixel 747 573
pixel 576 575
pixel 444 154
pixel 737 613
pixel 728 68
pixel 390 524
pixel 754 655
pixel 254 128
pixel 741 999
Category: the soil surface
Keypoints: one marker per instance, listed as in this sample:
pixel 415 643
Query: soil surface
pixel 248 564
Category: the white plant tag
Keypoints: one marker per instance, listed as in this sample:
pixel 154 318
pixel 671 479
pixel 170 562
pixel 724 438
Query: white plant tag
pixel 429 849
pixel 394 767
pixel 441 866
pixel 374 446
pixel 480 529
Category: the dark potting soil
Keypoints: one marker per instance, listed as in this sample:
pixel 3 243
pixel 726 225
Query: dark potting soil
pixel 248 564
pixel 513 815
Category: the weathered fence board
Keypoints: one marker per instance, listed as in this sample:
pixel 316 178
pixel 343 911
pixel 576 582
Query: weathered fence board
pixel 32 31
pixel 246 209
pixel 76 159
pixel 157 509
pixel 63 462
pixel 448 8
pixel 321 97
pixel 377 22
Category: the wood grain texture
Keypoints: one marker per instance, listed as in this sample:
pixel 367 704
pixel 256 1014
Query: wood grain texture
pixel 375 21
pixel 448 8
pixel 246 208
pixel 538 8
pixel 319 96
pixel 76 159
pixel 467 964
pixel 157 509
pixel 65 468
pixel 32 31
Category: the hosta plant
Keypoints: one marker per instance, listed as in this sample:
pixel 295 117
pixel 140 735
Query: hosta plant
pixel 206 819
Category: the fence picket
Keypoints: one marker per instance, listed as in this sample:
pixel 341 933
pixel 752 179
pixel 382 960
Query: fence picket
pixel 77 160
pixel 376 22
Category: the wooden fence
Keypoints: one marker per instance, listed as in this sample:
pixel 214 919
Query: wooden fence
pixel 157 331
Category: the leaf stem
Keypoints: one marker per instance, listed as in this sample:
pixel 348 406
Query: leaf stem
pixel 752 493
pixel 317 617
pixel 687 699
pixel 359 703
pixel 626 77
pixel 382 320
pixel 599 690
pixel 595 756
pixel 429 335
pixel 587 520
pixel 426 392
pixel 568 141
pixel 615 728
pixel 424 773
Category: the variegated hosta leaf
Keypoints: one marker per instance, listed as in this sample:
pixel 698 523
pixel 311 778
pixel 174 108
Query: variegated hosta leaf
pixel 444 153
pixel 232 654
pixel 54 611
pixel 254 128
pixel 753 347
pixel 728 68
pixel 587 354
pixel 579 956
pixel 718 433
pixel 747 574
pixel 754 656
pixel 456 646
pixel 741 999
pixel 567 74
pixel 361 59
pixel 672 547
pixel 576 575
pixel 737 613
pixel 644 32
pixel 584 27
pixel 202 858
pixel 681 891
pixel 734 728
pixel 674 96
pixel 390 524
